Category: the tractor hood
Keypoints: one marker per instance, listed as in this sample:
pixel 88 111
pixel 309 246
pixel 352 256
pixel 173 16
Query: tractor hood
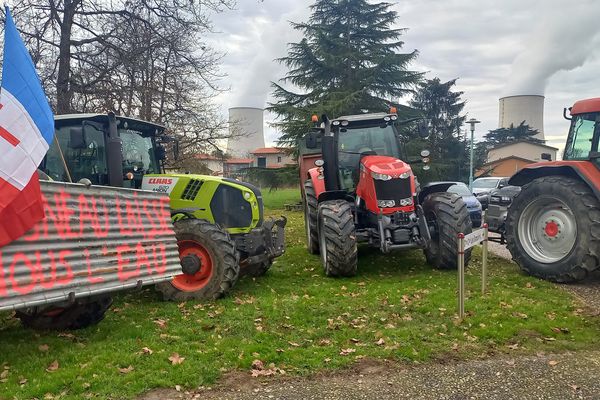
pixel 386 165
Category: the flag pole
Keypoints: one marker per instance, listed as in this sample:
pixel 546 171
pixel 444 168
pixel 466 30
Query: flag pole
pixel 62 157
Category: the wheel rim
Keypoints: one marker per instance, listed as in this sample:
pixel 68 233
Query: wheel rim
pixel 547 229
pixel 191 283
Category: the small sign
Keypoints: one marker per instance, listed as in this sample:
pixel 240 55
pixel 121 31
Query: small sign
pixel 159 184
pixel 474 238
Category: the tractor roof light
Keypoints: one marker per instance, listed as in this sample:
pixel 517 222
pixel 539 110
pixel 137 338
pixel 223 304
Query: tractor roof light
pixel 335 123
pixel 386 119
pixel 314 118
pixel 394 117
pixel 344 123
pixel 319 163
pixel 393 110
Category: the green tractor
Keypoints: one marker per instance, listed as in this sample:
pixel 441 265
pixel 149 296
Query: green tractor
pixel 219 222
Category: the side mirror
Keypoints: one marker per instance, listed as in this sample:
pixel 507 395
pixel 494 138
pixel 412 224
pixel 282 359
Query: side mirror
pixel 311 140
pixel 76 138
pixel 423 129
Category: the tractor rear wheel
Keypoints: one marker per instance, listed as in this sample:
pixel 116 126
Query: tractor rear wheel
pixel 447 216
pixel 310 217
pixel 84 313
pixel 208 259
pixel 553 229
pixel 337 238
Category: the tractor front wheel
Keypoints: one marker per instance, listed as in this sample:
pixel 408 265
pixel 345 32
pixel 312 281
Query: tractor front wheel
pixel 310 217
pixel 208 259
pixel 84 313
pixel 337 238
pixel 553 229
pixel 447 216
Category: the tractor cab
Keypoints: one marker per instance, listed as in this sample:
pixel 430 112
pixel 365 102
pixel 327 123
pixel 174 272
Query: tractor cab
pixel 584 133
pixel 107 150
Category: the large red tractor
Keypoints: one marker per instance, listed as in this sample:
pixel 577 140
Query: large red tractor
pixel 358 190
pixel 553 225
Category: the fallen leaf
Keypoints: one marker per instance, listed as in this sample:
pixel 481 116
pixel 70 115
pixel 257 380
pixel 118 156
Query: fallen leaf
pixel 126 370
pixel 552 363
pixel 176 359
pixel 327 360
pixel 574 387
pixel 161 323
pixel 53 366
pixel 380 342
pixel 66 335
pixel 43 347
pixel 178 388
pixel 346 352
pixel 324 342
pixel 22 381
pixel 353 340
pixel 294 344
pixel 258 364
pixel 146 350
pixel 528 285
pixel 513 346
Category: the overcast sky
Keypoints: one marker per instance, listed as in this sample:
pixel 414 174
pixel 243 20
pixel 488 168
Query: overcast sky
pixel 495 48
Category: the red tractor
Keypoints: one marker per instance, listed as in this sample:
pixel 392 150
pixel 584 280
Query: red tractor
pixel 358 190
pixel 553 225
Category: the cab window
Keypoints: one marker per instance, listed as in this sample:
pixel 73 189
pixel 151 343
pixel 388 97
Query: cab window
pixel 85 156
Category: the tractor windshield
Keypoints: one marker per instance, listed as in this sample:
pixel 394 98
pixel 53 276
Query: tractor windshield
pixel 581 137
pixel 356 142
pixel 138 153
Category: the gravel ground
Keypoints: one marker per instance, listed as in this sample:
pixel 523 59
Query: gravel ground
pixel 565 376
pixel 497 248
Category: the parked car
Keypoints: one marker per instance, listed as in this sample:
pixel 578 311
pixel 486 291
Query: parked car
pixel 500 200
pixel 482 187
pixel 473 205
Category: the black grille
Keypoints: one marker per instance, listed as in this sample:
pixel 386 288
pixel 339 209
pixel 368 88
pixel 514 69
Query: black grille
pixel 394 189
pixel 191 190
pixel 230 209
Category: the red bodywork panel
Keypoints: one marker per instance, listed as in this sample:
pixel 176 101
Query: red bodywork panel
pixel 586 170
pixel 307 162
pixel 317 181
pixel 586 106
pixel 382 165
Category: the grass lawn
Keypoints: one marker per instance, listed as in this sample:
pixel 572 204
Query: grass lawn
pixel 294 317
pixel 276 199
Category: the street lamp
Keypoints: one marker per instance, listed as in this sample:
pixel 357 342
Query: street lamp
pixel 472 122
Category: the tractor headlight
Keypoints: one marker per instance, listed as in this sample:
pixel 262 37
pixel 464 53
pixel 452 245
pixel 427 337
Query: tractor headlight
pixel 381 177
pixel 385 203
pixel 406 202
pixel 404 175
pixel 247 195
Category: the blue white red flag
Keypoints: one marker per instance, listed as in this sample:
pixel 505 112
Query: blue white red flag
pixel 26 132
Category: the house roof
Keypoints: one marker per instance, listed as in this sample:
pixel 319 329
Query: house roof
pixel 269 150
pixel 522 141
pixel 206 157
pixel 239 161
pixel 507 158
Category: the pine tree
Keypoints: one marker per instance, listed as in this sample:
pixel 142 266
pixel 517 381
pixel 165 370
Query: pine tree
pixel 443 107
pixel 522 132
pixel 347 63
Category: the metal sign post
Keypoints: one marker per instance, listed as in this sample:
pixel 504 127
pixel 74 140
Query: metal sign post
pixel 465 242
pixel 461 276
pixel 484 261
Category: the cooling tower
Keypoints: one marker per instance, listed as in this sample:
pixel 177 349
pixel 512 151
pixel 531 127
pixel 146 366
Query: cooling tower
pixel 528 108
pixel 246 129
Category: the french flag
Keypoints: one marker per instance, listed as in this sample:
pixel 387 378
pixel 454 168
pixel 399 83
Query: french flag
pixel 26 132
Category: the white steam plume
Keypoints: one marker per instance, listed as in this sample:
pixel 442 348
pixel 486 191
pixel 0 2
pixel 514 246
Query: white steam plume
pixel 564 37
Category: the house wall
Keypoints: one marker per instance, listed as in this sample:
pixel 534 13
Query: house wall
pixel 507 167
pixel 272 159
pixel 526 150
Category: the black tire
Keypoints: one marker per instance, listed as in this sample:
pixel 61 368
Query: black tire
pixel 448 215
pixel 84 313
pixel 584 257
pixel 310 218
pixel 259 269
pixel 203 236
pixel 337 238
